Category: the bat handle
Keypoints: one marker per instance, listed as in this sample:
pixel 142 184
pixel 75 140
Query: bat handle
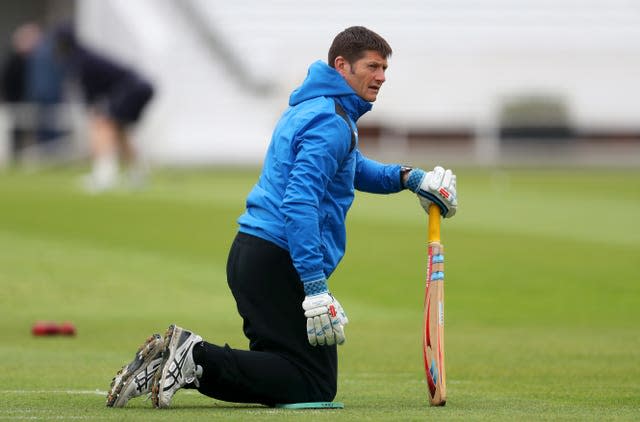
pixel 434 223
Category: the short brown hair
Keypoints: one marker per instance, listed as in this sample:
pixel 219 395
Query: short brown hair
pixel 353 42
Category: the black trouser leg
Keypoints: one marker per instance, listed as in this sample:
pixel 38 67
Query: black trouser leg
pixel 281 366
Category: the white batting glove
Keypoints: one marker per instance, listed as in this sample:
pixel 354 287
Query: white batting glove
pixel 325 319
pixel 437 186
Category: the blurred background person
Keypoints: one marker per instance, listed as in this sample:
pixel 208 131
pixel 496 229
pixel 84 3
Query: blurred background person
pixel 32 86
pixel 14 78
pixel 117 96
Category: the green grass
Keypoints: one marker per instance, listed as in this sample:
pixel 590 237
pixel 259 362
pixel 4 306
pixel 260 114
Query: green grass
pixel 543 303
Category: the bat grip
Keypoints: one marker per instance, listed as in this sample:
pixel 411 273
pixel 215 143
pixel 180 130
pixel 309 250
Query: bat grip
pixel 434 223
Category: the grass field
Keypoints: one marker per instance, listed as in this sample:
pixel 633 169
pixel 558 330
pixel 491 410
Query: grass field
pixel 542 296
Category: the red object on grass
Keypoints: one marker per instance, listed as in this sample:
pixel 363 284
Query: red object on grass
pixel 50 328
pixel 67 329
pixel 45 328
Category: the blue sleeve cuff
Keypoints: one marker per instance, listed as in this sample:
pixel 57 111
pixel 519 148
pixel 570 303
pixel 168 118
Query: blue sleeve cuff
pixel 315 287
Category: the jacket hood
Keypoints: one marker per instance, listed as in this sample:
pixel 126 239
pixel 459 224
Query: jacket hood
pixel 324 81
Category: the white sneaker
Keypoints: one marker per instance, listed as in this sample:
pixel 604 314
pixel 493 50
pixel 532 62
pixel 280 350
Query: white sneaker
pixel 95 185
pixel 178 368
pixel 134 379
pixel 104 174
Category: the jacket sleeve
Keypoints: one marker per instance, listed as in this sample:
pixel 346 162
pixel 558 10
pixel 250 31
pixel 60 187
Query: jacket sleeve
pixel 374 177
pixel 319 147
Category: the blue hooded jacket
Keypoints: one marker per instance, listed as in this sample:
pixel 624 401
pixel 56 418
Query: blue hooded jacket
pixel 301 199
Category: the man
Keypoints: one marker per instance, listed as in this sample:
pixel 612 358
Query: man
pixel 117 96
pixel 290 240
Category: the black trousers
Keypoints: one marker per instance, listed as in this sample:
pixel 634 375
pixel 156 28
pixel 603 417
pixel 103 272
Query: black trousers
pixel 280 365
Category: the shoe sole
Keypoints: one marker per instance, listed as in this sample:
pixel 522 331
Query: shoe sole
pixel 148 351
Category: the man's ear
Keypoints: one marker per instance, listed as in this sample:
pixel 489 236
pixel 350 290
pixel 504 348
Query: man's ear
pixel 341 65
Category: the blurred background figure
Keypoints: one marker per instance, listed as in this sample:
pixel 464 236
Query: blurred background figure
pixel 14 77
pixel 32 86
pixel 117 96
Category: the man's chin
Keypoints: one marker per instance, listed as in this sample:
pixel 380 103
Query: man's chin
pixel 371 97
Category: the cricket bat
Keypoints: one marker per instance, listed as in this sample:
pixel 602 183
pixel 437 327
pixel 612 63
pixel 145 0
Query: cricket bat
pixel 433 336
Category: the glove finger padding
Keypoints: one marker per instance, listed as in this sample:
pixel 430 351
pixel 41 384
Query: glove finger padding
pixel 319 331
pixel 447 178
pixel 449 187
pixel 327 329
pixel 338 330
pixel 311 332
pixel 340 337
pixel 435 178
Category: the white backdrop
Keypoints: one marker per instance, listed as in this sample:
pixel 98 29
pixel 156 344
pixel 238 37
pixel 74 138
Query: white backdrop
pixel 454 62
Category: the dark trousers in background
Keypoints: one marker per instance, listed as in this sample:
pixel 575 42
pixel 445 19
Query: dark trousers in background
pixel 281 366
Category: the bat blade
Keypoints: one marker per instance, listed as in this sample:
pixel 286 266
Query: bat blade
pixel 433 336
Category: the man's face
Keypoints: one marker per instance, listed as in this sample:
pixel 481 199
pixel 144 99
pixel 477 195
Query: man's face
pixel 366 75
